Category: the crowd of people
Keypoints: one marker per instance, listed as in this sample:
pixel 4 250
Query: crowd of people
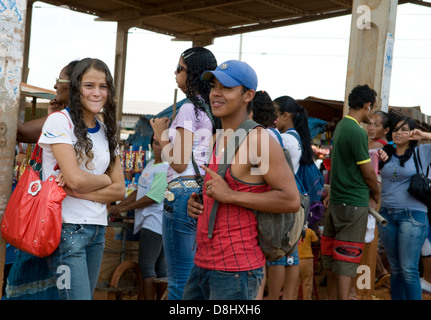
pixel 177 189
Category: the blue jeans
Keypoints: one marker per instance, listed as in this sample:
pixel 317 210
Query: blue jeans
pixel 179 236
pixel 402 240
pixel 207 284
pixel 76 262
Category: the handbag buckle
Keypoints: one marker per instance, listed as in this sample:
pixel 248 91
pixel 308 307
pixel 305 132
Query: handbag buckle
pixel 34 187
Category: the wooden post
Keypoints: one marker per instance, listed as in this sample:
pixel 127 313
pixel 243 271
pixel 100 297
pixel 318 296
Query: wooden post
pixel 120 69
pixel 12 24
pixel 371 45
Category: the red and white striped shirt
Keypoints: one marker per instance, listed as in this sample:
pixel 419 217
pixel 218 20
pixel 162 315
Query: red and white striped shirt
pixel 234 245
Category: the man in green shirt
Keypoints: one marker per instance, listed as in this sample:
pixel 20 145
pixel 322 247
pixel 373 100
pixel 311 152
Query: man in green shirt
pixel 354 188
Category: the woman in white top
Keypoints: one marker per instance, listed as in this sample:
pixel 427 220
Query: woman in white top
pixel 292 122
pixel 85 150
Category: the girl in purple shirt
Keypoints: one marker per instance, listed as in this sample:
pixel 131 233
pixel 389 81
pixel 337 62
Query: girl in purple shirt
pixel 186 139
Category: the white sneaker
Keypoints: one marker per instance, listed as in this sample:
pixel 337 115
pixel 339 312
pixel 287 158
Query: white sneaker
pixel 425 285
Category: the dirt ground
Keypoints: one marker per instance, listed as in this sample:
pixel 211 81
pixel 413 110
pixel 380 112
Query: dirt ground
pixel 381 293
pixel 111 261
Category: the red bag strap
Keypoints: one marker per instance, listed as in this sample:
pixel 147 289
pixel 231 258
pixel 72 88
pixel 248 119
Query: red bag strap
pixel 37 152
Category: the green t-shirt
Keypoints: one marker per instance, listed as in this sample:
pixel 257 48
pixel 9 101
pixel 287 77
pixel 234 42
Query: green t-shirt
pixel 350 150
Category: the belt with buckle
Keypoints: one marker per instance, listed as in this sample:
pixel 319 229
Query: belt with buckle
pixel 176 184
pixel 186 183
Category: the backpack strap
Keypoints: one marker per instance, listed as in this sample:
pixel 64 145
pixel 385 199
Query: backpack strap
pixel 208 112
pixel 296 135
pixel 278 136
pixel 199 179
pixel 232 145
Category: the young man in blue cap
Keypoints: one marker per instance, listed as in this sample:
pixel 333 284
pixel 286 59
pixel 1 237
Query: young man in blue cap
pixel 229 264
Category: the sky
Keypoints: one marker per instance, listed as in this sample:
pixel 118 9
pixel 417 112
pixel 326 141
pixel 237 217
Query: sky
pixel 308 59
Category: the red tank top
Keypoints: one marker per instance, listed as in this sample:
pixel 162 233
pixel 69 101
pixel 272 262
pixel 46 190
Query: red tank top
pixel 234 245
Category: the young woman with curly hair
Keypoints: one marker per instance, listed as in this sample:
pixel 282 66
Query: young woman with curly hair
pixel 85 149
pixel 187 138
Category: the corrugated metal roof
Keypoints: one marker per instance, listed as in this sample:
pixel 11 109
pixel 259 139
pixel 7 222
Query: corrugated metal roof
pixel 204 20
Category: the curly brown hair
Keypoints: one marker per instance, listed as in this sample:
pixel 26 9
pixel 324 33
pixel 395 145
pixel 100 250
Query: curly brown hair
pixel 264 110
pixel 84 145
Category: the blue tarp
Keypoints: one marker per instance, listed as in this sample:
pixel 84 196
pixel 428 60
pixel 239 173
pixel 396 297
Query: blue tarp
pixel 143 130
pixel 316 126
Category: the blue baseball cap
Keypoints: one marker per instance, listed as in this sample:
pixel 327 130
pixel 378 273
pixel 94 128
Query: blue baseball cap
pixel 233 73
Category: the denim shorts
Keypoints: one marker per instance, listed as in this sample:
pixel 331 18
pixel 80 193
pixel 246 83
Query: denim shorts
pixel 204 284
pixel 291 260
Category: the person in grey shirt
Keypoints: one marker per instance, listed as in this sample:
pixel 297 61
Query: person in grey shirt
pixel 407 218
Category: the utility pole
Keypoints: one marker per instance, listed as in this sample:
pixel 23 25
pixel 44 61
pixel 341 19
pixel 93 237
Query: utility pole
pixel 12 24
pixel 371 46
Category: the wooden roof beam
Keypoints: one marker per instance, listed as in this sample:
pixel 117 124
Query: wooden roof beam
pixel 198 22
pixel 285 7
pixel 132 4
pixel 421 3
pixel 344 3
pixel 248 18
pixel 142 25
pixel 171 9
pixel 182 17
pixel 73 7
pixel 276 24
pixel 243 15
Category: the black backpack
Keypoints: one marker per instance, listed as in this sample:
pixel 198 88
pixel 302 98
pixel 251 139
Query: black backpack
pixel 279 233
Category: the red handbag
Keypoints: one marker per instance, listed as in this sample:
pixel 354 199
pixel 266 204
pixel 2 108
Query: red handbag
pixel 32 220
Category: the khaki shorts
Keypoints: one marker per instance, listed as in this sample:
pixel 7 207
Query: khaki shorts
pixel 343 238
